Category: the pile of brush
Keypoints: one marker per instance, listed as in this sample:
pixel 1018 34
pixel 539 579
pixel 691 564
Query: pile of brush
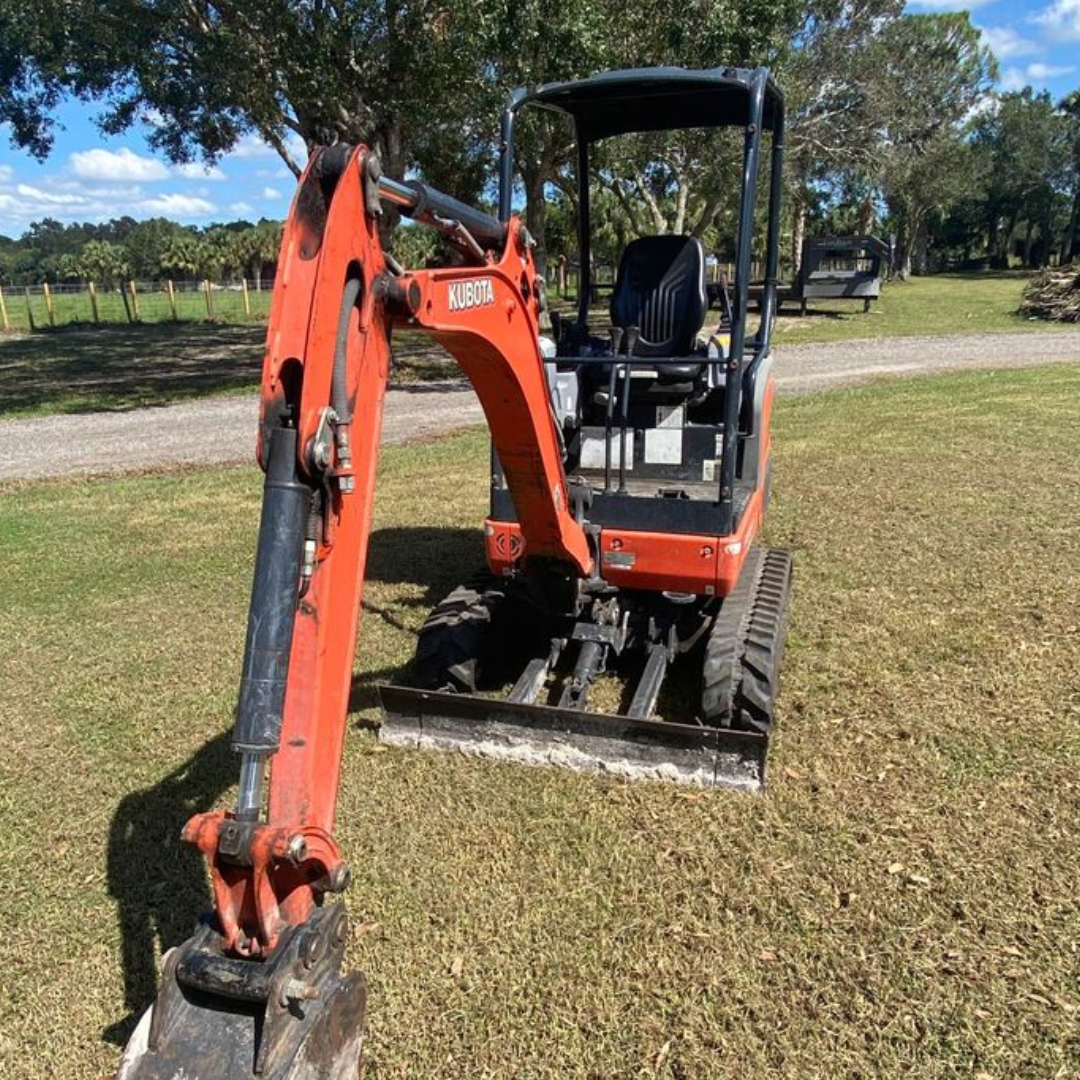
pixel 1054 294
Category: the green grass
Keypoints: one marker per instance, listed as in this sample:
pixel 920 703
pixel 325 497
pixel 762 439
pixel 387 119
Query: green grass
pixel 941 304
pixel 74 307
pixel 901 903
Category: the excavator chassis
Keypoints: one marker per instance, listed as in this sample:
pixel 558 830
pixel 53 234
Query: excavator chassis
pixel 727 746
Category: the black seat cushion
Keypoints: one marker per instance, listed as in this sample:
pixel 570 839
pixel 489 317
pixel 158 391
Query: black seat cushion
pixel 660 289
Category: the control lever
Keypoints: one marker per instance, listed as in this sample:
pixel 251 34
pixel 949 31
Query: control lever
pixel 616 333
pixel 632 335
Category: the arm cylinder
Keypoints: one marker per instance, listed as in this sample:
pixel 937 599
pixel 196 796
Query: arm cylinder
pixel 274 592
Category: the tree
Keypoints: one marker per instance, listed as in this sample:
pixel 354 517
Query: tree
pixel 391 73
pixel 145 242
pixel 834 110
pixel 103 261
pixel 1025 143
pixel 186 255
pixel 1070 113
pixel 932 73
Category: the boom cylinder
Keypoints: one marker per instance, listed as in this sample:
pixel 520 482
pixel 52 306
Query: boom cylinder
pixel 272 615
pixel 431 206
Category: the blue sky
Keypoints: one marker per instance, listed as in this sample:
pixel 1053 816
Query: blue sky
pixel 92 178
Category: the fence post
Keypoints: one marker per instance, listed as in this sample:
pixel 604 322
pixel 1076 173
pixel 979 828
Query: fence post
pixel 209 301
pixel 134 300
pixel 247 299
pixel 49 303
pixel 4 320
pixel 93 300
pixel 127 304
pixel 29 309
pixel 172 299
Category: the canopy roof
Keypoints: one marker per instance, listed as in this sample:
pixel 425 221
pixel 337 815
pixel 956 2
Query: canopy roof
pixel 657 99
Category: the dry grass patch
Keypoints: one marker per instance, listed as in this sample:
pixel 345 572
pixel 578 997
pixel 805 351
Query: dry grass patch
pixel 900 904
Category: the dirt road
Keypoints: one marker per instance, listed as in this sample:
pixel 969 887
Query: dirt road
pixel 220 430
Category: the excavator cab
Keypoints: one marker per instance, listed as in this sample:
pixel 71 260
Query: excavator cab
pixel 662 408
pixel 630 476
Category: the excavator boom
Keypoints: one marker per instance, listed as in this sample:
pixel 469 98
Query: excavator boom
pixel 273 951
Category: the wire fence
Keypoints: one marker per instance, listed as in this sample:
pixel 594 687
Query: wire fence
pixel 36 307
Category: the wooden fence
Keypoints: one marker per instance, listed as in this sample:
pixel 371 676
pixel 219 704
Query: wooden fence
pixel 35 307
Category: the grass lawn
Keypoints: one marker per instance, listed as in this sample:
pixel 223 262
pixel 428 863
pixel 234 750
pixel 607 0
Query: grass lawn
pixel 942 304
pixel 901 903
pixel 86 368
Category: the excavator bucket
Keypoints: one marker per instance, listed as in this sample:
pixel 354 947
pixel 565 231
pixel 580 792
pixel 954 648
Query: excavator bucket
pixel 587 742
pixel 295 1017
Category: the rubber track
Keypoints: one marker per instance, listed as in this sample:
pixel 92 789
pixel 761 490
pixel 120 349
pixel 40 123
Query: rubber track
pixel 450 641
pixel 745 649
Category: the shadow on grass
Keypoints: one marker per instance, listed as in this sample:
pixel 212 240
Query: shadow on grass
pixel 158 881
pixel 84 368
pixel 438 560
pixel 118 367
pixel 155 878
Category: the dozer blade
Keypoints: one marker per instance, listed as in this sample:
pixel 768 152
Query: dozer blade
pixel 572 739
pixel 218 1018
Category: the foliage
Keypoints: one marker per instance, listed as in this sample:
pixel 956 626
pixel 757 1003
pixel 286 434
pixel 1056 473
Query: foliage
pixel 103 261
pixel 49 251
pixel 1024 143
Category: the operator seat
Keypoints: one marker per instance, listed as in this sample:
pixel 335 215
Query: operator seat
pixel 660 289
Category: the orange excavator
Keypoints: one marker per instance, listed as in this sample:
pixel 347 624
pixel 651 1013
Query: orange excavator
pixel 630 476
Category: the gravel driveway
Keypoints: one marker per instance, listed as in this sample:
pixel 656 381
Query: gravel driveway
pixel 221 430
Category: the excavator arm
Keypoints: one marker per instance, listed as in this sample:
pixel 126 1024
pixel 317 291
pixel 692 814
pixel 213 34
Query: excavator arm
pixel 272 953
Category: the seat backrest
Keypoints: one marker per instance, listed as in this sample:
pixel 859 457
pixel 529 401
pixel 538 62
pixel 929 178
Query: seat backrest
pixel 660 289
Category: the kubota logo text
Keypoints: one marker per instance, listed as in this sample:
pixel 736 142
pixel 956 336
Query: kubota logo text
pixel 470 294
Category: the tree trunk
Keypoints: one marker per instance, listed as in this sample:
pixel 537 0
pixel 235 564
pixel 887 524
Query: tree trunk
pixel 1029 243
pixel 865 224
pixel 919 257
pixel 1070 249
pixel 390 145
pixel 798 233
pixel 536 211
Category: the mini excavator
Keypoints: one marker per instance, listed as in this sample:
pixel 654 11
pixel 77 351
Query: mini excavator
pixel 630 476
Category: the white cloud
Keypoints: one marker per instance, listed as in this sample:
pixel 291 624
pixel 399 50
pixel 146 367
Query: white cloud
pixel 6 173
pixel 241 208
pixel 1013 78
pixel 1061 19
pixel 121 164
pixel 1005 42
pixel 949 5
pixel 194 170
pixel 251 146
pixel 35 194
pixel 269 193
pixel 177 206
pixel 1041 72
